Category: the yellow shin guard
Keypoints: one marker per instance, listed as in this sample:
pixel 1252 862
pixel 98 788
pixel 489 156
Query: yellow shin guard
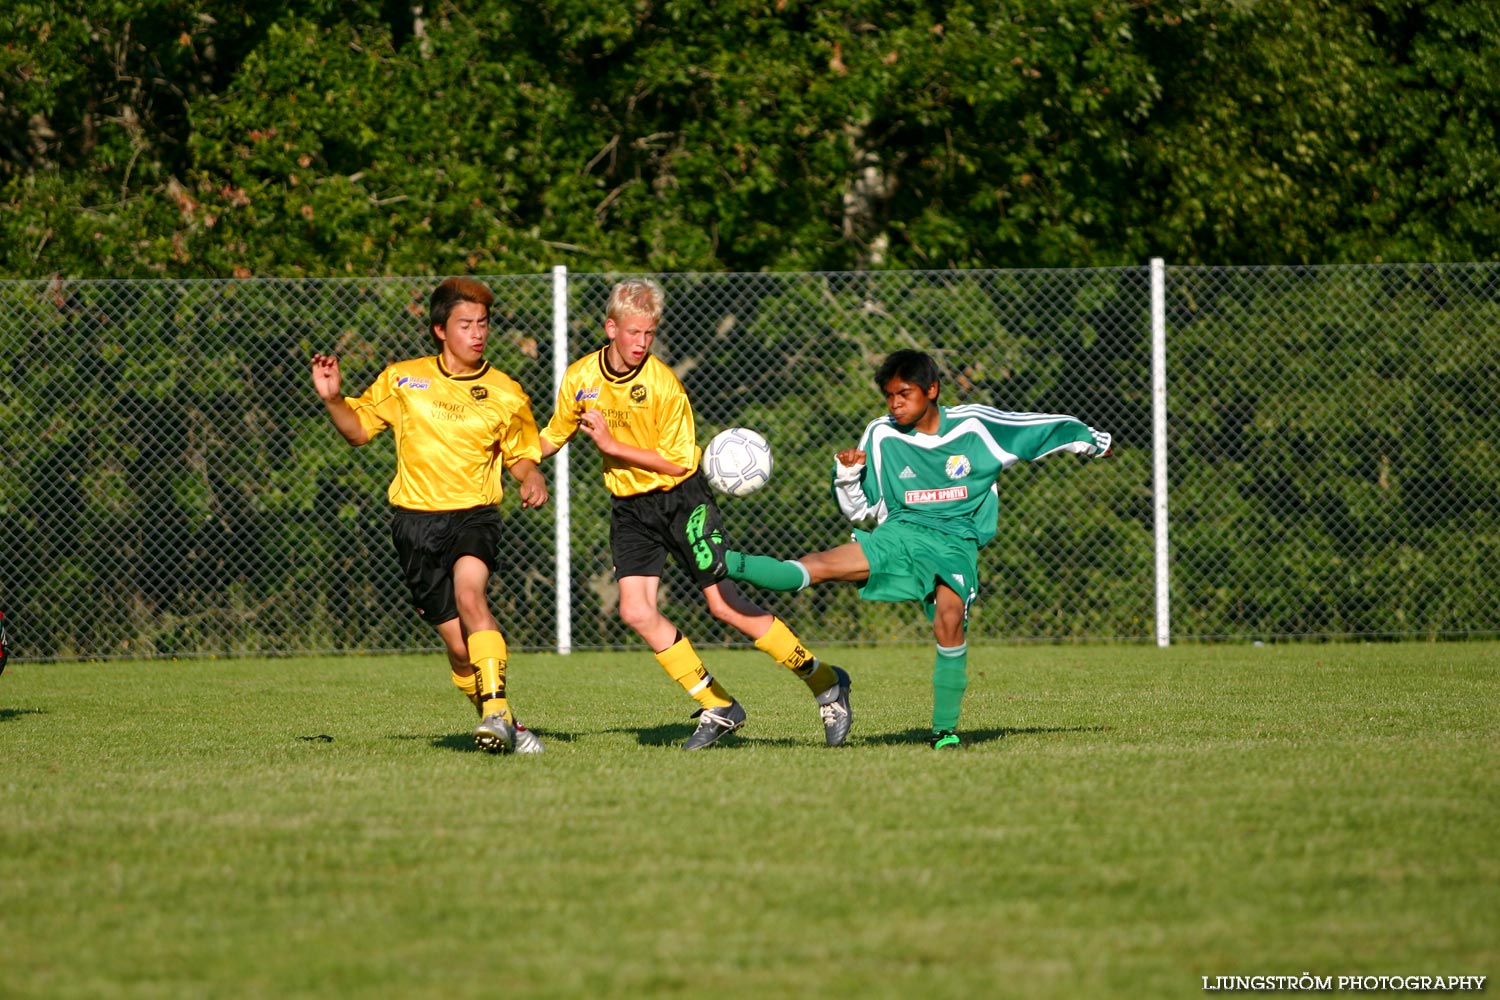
pixel 782 645
pixel 488 654
pixel 683 665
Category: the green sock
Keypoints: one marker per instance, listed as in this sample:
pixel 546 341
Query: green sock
pixel 950 677
pixel 765 572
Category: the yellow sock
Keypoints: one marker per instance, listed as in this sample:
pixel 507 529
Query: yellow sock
pixel 782 645
pixel 684 667
pixel 488 654
pixel 469 685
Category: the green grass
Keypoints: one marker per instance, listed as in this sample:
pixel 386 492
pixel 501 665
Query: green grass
pixel 1124 821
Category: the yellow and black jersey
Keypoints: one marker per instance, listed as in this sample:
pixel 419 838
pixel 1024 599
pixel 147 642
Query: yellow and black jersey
pixel 454 433
pixel 646 407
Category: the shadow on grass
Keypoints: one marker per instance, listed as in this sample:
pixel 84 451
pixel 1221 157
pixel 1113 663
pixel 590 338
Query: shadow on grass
pixel 7 714
pixel 464 742
pixel 674 734
pixel 972 737
pixel 664 735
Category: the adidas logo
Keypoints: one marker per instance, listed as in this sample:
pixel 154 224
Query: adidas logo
pixel 906 473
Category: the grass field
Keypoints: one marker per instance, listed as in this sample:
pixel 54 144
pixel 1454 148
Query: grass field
pixel 1124 821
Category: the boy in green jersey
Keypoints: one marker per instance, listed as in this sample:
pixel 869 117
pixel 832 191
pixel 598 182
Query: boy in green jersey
pixel 920 488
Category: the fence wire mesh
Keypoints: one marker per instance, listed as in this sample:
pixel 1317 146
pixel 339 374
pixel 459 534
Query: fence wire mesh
pixel 172 486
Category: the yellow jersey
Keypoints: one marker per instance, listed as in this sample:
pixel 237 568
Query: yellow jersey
pixel 454 433
pixel 646 407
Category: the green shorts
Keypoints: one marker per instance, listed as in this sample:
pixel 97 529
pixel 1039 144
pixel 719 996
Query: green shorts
pixel 907 563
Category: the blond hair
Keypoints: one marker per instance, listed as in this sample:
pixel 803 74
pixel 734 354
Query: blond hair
pixel 636 297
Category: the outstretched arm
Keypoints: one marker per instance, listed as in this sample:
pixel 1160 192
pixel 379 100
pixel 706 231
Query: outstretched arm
pixel 1051 434
pixel 328 382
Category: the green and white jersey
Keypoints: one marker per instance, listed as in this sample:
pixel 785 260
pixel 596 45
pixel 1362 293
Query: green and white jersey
pixel 946 481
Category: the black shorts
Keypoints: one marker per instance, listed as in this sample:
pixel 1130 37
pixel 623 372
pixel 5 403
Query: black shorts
pixel 684 521
pixel 428 543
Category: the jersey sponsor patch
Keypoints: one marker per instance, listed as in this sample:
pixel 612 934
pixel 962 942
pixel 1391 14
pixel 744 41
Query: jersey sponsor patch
pixel 412 382
pixel 906 473
pixel 937 496
pixel 584 395
pixel 958 466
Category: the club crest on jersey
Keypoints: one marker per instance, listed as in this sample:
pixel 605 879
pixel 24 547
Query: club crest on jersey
pixel 958 466
pixel 479 392
pixel 412 382
pixel 637 394
pixel 584 395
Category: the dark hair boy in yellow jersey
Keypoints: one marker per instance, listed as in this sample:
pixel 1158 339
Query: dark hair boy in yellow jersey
pixel 457 422
pixel 635 410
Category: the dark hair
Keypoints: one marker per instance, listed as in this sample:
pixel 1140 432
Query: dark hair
pixel 449 294
pixel 912 366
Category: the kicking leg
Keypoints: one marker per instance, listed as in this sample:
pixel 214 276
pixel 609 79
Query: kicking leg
pixel 844 562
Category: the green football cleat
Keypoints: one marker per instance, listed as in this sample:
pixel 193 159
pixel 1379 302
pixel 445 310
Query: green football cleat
pixel 944 739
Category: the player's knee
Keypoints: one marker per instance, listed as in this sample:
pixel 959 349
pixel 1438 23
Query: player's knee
pixel 473 610
pixel 637 614
pixel 948 630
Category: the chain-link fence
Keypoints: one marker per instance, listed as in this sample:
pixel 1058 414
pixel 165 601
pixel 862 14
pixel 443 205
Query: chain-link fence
pixel 172 487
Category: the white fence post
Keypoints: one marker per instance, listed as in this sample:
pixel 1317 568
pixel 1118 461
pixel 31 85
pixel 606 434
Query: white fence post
pixel 563 556
pixel 1159 448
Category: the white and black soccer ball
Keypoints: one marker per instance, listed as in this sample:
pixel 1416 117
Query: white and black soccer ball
pixel 737 462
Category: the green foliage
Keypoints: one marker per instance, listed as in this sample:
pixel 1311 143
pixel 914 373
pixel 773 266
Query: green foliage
pixel 1346 462
pixel 197 138
pixel 162 459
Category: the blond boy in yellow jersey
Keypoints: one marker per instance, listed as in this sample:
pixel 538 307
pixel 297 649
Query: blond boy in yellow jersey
pixel 457 422
pixel 631 405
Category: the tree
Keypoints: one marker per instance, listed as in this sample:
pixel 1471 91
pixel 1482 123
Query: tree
pixel 313 138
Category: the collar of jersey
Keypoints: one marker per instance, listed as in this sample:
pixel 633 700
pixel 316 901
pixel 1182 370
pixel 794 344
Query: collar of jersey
pixel 944 423
pixel 610 376
pixel 484 366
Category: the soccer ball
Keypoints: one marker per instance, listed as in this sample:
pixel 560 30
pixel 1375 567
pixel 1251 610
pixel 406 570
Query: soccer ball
pixel 737 462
